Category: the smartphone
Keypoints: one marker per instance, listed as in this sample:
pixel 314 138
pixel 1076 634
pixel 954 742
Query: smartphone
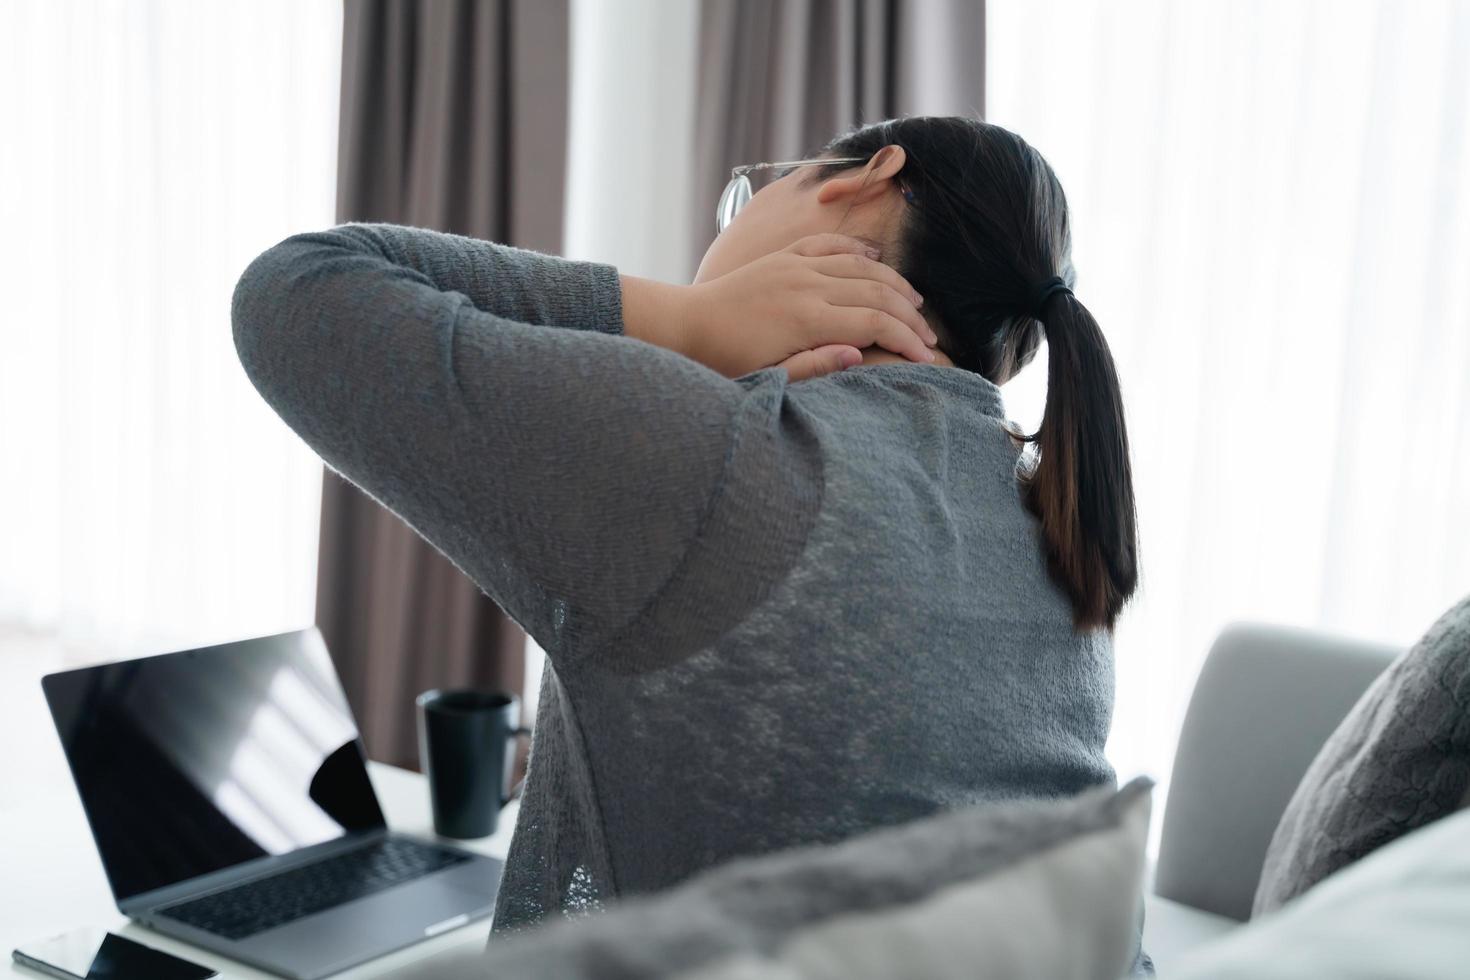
pixel 96 954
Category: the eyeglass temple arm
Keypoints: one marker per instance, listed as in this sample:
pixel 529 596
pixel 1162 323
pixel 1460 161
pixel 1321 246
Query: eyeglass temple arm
pixel 737 171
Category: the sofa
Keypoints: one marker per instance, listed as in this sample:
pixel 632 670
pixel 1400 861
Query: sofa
pixel 1266 699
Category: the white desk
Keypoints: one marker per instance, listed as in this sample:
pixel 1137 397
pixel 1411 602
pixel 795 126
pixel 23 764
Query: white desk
pixel 51 880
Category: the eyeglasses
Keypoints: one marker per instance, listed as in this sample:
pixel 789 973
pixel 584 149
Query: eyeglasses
pixel 738 192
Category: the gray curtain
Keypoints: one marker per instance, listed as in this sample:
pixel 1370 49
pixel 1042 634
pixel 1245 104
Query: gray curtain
pixel 453 117
pixel 779 78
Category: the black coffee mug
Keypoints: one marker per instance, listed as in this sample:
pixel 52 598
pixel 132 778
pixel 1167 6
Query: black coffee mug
pixel 467 743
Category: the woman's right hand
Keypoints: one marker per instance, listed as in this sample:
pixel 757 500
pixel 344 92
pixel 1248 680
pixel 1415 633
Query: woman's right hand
pixel 824 293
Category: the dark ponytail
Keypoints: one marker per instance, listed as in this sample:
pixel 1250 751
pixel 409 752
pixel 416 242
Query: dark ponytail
pixel 1081 484
pixel 986 226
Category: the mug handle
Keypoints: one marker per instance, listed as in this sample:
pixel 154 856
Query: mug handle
pixel 520 783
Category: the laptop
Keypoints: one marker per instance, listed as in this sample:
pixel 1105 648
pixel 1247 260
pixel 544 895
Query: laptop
pixel 228 793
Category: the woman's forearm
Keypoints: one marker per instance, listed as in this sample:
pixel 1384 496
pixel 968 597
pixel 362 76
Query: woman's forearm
pixel 653 311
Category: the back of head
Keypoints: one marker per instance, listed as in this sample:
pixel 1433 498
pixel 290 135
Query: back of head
pixel 985 233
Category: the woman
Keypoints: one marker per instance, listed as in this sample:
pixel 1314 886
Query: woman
pixel 783 602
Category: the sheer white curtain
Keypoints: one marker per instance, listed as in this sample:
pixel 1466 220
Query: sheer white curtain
pixel 1272 225
pixel 151 149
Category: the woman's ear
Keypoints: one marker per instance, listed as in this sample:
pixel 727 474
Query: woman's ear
pixel 867 183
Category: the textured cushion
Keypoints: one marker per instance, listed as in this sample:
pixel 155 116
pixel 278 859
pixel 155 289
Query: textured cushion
pixel 1399 760
pixel 1035 889
pixel 1402 911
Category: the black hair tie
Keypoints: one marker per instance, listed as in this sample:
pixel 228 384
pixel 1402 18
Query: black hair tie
pixel 1042 292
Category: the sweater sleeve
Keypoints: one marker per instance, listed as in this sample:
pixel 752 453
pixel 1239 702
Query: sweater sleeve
pixel 612 496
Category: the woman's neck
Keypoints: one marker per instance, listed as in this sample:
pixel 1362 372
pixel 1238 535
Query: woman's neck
pixel 879 355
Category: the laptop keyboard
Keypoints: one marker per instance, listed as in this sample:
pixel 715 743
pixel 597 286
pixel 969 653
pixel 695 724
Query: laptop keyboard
pixel 265 903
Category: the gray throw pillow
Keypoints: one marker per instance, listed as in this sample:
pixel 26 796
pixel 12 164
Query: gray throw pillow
pixel 1038 889
pixel 1399 760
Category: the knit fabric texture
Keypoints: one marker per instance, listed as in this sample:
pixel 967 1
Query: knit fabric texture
pixel 774 613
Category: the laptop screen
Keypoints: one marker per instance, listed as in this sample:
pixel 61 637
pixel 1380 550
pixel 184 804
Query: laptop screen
pixel 192 762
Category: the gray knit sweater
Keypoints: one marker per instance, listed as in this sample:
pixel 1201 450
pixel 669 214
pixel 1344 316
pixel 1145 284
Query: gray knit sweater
pixel 775 613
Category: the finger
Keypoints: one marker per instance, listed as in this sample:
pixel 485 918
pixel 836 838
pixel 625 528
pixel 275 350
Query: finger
pixel 880 296
pixel 831 243
pixel 867 325
pixel 814 363
pixel 853 266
